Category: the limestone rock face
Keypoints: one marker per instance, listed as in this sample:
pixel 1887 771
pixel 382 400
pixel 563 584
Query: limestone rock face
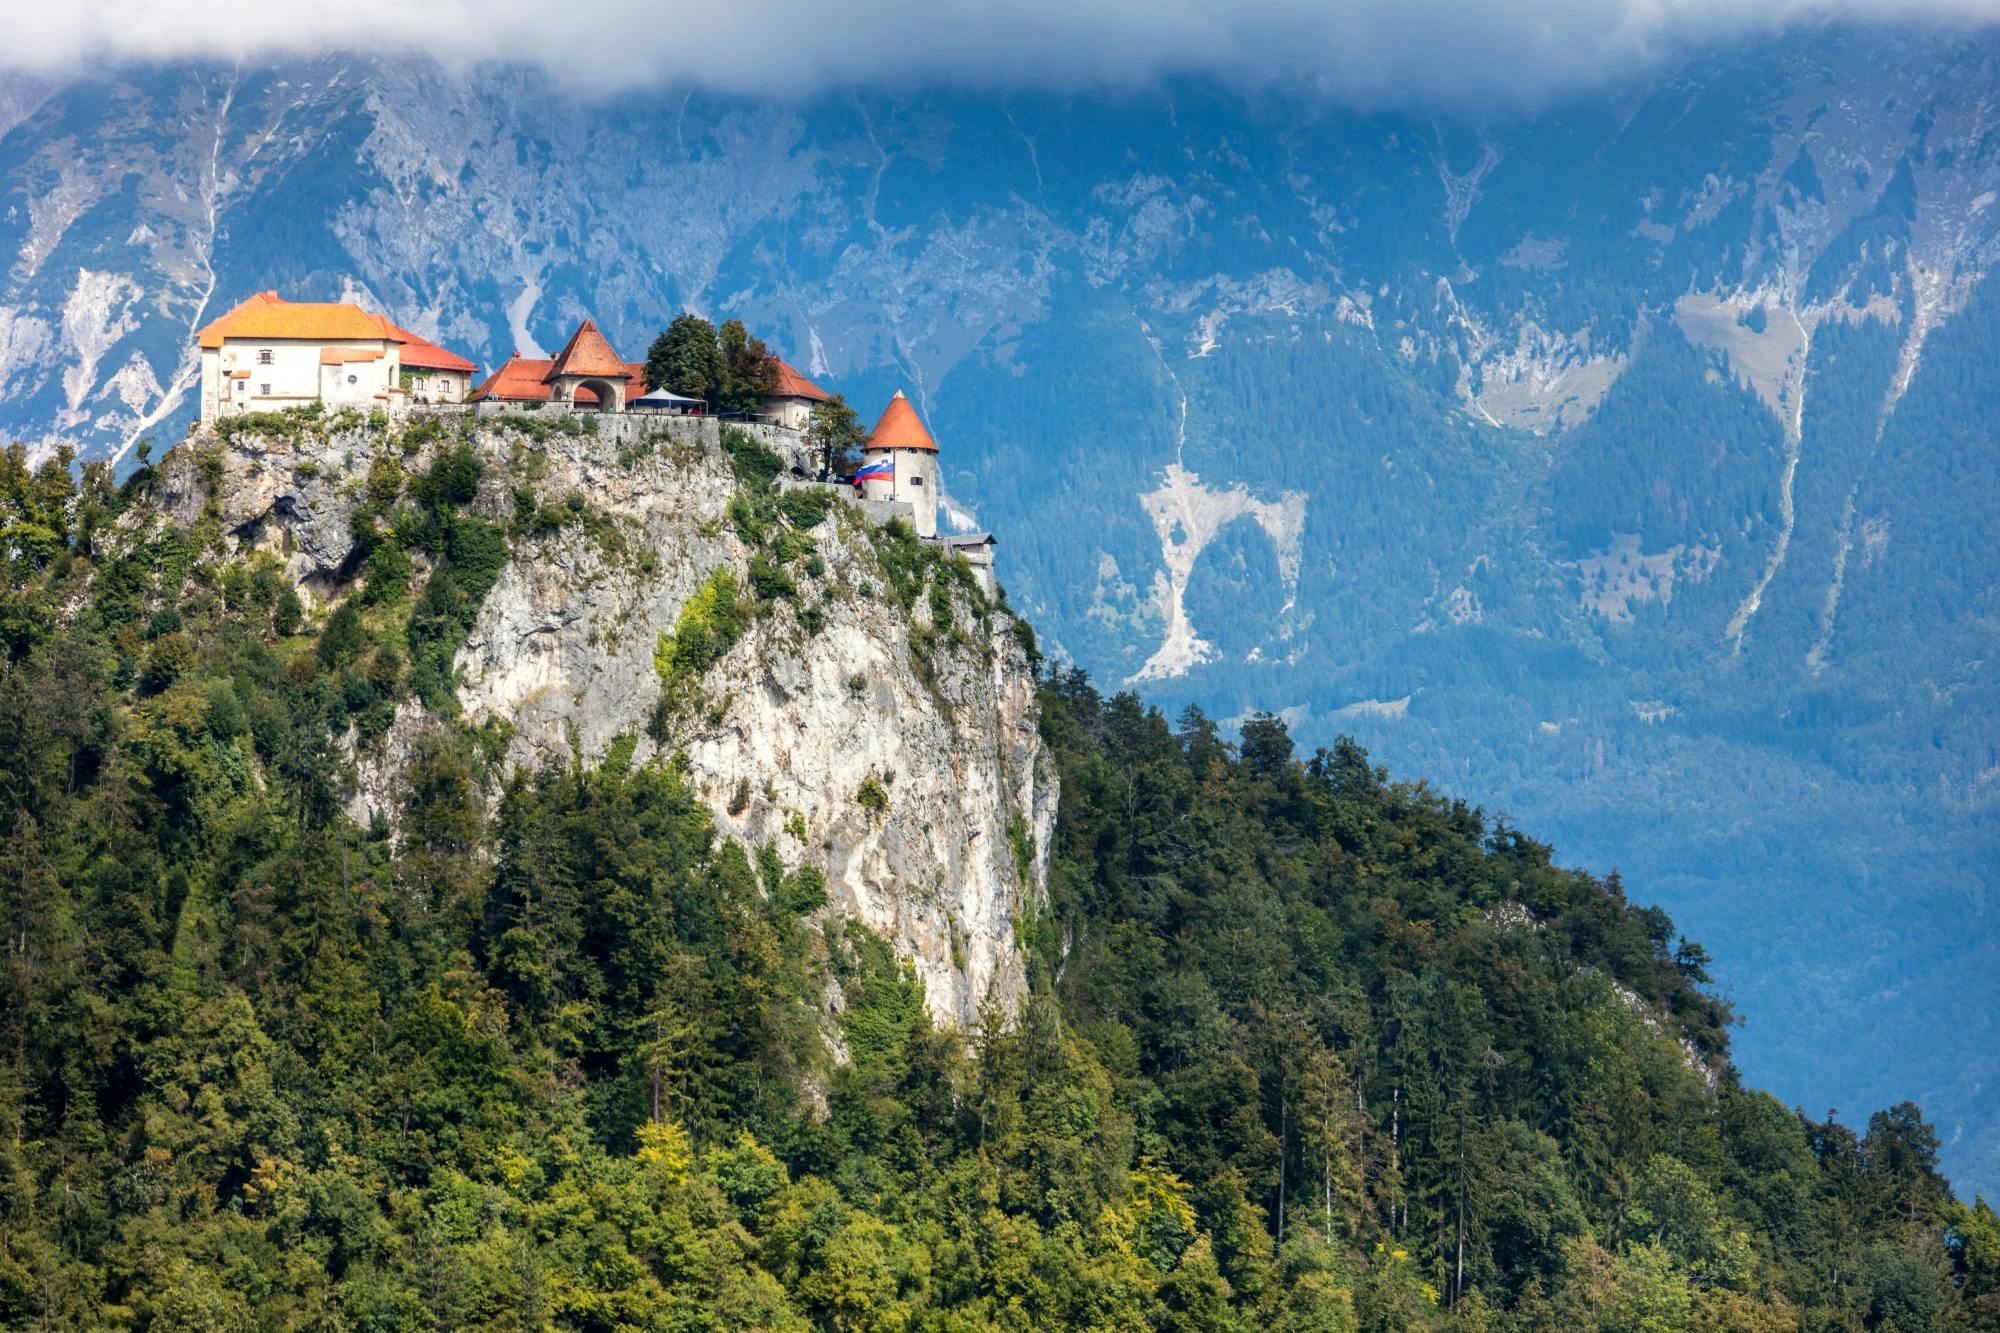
pixel 781 735
pixel 291 493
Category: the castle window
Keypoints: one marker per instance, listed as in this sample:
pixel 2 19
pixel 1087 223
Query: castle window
pixel 916 481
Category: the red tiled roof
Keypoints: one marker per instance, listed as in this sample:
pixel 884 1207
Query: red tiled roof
pixel 423 354
pixel 518 379
pixel 900 428
pixel 523 379
pixel 791 384
pixel 586 353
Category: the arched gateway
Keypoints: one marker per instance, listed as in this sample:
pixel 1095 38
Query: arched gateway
pixel 588 362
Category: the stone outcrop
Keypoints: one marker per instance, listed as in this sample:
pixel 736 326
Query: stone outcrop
pixel 292 493
pixel 936 722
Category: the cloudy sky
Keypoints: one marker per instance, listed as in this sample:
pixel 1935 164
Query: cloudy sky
pixel 1371 50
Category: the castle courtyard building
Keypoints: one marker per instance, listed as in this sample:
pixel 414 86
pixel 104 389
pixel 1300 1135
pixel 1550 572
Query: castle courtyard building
pixel 268 354
pixel 433 374
pixel 524 381
pixel 791 404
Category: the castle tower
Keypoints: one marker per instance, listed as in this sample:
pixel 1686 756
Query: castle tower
pixel 900 463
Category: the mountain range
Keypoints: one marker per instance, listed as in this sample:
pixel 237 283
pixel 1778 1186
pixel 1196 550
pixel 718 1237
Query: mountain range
pixel 1626 467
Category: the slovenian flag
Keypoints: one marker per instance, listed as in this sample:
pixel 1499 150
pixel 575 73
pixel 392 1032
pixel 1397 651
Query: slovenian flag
pixel 882 469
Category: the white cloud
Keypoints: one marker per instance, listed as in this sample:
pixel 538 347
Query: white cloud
pixel 1457 51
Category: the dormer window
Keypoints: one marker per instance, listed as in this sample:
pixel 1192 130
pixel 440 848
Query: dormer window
pixel 264 357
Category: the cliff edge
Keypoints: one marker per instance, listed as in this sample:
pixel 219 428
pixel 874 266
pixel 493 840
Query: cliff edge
pixel 837 691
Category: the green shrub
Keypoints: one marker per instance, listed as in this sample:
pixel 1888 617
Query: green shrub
pixel 478 552
pixel 807 506
pixel 287 611
pixel 906 560
pixel 751 520
pixel 707 627
pixel 1022 846
pixel 388 573
pixel 873 796
pixel 885 998
pixel 343 638
pixel 422 431
pixel 769 582
pixel 453 479
pixel 169 656
pixel 280 425
pixel 754 465
pixel 790 546
pixel 445 612
pixel 436 627
pixel 385 671
pixel 521 423
pixel 384 484
pixel 1024 634
pixel 618 755
pixel 802 891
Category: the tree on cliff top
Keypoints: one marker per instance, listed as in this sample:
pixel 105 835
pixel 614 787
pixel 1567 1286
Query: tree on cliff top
pixel 835 435
pixel 686 359
pixel 749 374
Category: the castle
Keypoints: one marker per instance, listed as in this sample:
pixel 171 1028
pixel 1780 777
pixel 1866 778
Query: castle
pixel 269 354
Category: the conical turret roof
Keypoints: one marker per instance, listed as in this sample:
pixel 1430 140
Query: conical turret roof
pixel 587 352
pixel 900 428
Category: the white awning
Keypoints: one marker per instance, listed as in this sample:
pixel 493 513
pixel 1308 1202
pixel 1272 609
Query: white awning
pixel 667 398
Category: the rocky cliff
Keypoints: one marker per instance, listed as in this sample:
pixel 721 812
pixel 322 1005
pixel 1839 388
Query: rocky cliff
pixel 872 713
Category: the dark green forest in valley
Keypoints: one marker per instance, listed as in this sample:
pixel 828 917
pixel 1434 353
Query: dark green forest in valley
pixel 1307 1048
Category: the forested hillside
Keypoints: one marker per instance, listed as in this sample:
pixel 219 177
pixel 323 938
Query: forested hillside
pixel 1305 1048
pixel 1624 464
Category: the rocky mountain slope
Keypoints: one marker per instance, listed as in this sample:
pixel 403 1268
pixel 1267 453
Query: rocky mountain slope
pixel 886 739
pixel 1624 464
